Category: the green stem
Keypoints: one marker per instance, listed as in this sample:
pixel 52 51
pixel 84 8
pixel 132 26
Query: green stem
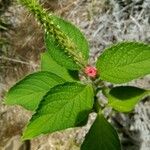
pixel 96 106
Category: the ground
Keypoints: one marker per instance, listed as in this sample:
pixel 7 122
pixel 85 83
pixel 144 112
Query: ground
pixel 103 23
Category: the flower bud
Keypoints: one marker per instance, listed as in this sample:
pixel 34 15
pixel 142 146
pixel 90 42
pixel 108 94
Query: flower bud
pixel 90 71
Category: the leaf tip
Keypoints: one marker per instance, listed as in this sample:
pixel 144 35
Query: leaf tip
pixel 26 135
pixel 6 101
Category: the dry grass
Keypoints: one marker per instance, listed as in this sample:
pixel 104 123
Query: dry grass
pixel 103 23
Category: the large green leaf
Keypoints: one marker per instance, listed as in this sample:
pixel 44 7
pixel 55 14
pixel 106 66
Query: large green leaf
pixel 59 54
pixel 29 91
pixel 64 106
pixel 48 64
pixel 102 136
pixel 124 62
pixel 124 98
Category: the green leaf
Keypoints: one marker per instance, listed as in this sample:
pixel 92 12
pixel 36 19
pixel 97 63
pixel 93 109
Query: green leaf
pixel 59 54
pixel 124 98
pixel 124 62
pixel 64 106
pixel 29 91
pixel 102 136
pixel 48 64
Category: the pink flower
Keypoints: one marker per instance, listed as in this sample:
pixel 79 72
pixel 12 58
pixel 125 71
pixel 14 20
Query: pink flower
pixel 90 71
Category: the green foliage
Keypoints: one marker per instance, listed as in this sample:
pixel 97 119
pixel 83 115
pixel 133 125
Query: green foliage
pixel 62 102
pixel 64 106
pixel 60 54
pixel 29 91
pixel 124 98
pixel 48 64
pixel 102 136
pixel 124 62
pixel 60 38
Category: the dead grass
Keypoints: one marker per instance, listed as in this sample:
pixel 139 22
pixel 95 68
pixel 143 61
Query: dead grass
pixel 103 24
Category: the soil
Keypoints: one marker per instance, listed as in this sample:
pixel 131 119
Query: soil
pixel 103 22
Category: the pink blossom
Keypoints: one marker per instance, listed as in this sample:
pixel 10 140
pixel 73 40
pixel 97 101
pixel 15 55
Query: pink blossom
pixel 91 71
